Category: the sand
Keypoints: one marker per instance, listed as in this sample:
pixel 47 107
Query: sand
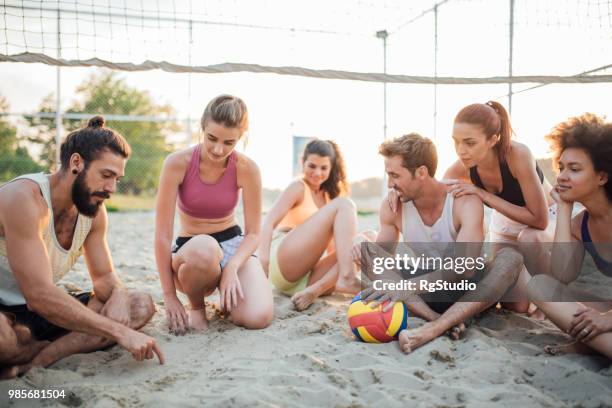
pixel 311 359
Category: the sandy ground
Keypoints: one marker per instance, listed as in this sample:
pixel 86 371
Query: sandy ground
pixel 311 359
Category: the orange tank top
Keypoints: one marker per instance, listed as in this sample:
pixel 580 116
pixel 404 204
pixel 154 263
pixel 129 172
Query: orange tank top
pixel 301 212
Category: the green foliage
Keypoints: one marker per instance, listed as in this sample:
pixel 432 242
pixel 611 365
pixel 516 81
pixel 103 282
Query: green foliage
pixel 14 158
pixel 44 133
pixel 107 93
pixel 111 208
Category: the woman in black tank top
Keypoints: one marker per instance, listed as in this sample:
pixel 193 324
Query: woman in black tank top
pixel 582 147
pixel 506 177
pixel 502 172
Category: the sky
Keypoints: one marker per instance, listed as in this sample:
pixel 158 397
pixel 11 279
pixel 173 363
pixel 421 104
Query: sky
pixel 557 39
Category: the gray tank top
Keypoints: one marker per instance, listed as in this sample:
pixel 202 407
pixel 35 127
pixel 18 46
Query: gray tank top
pixel 420 237
pixel 61 260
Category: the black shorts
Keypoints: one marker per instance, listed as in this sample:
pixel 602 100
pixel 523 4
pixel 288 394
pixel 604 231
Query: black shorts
pixel 41 328
pixel 220 236
pixel 433 300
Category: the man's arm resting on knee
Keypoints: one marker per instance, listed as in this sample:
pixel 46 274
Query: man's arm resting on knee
pixel 99 261
pixel 390 228
pixel 30 264
pixel 387 238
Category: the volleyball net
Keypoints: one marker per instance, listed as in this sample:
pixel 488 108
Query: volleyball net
pixel 508 47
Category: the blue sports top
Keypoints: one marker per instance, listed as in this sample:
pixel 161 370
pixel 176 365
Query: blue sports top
pixel 604 266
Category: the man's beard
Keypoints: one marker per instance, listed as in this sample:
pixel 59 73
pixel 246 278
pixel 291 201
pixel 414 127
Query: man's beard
pixel 81 196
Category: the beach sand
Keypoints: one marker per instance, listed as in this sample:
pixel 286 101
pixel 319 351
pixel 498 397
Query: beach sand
pixel 311 358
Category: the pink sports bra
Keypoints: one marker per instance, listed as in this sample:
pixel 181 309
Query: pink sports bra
pixel 208 201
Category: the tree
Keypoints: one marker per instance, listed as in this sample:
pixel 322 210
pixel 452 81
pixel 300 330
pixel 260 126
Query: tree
pixel 14 158
pixel 107 93
pixel 44 135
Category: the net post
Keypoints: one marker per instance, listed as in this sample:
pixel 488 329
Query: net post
pixel 58 113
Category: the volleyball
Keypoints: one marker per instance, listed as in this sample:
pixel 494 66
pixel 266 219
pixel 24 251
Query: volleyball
pixel 372 325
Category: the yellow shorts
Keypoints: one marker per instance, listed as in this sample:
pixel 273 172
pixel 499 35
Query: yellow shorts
pixel 276 276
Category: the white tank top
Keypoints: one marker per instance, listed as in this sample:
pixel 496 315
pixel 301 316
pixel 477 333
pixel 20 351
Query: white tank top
pixel 61 260
pixel 414 230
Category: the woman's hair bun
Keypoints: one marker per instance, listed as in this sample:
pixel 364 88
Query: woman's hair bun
pixel 96 122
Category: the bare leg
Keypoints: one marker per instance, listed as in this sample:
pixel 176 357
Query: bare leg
pixel 517 299
pixel 17 347
pixel 562 312
pixel 303 247
pixel 574 347
pixel 419 308
pixel 142 310
pixel 534 245
pixel 197 273
pixel 503 273
pixel 321 281
pixel 256 310
pixel 8 372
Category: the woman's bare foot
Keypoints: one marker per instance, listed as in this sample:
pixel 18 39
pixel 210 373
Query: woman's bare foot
pixel 575 347
pixel 38 359
pixel 197 319
pixel 535 313
pixel 8 372
pixel 411 339
pixel 456 332
pixel 351 285
pixel 516 307
pixel 303 299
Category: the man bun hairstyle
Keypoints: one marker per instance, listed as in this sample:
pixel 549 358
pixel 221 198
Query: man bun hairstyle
pixel 90 141
pixel 96 122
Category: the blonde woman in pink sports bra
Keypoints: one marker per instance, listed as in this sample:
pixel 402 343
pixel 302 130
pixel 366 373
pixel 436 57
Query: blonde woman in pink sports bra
pixel 307 235
pixel 211 251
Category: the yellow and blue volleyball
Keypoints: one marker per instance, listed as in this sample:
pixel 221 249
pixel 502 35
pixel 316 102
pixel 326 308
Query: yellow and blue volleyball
pixel 372 325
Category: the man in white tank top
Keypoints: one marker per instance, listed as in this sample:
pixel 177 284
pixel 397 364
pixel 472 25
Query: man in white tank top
pixel 430 214
pixel 46 221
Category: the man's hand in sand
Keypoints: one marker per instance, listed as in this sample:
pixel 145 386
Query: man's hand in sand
pixel 140 345
pixel 176 315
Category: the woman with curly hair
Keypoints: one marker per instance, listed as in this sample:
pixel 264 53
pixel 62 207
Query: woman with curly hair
pixel 582 149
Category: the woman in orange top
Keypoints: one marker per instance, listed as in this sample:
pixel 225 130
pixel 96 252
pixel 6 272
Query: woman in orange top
pixel 300 226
